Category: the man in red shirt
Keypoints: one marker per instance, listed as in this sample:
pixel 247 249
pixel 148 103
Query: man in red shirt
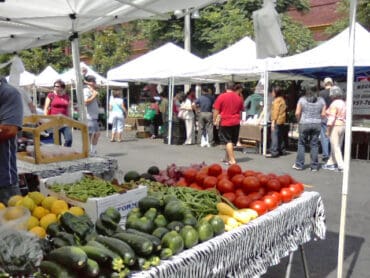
pixel 228 106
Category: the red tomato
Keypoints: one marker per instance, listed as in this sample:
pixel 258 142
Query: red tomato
pixel 194 185
pixel 254 196
pixel 277 196
pixel 233 170
pixel 225 186
pixel 296 189
pixel 273 185
pixel 263 179
pixel 242 201
pixel 239 192
pixel 231 196
pixel 270 201
pixel 199 177
pixel 222 176
pixel 204 169
pixel 262 191
pixel 214 170
pixel 259 206
pixel 251 184
pixel 248 173
pixel 209 181
pixel 271 176
pixel 284 180
pixel 237 180
pixel 286 194
pixel 189 174
pixel 181 182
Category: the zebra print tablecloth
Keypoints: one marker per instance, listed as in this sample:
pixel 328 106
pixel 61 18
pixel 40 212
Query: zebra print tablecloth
pixel 250 249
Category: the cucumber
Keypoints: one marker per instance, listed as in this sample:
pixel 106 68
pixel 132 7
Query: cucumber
pixel 173 241
pixel 141 245
pixel 190 236
pixel 103 249
pixel 120 247
pixel 68 256
pixel 160 232
pixel 205 231
pixel 160 221
pixel 175 226
pixel 155 240
pixel 149 202
pixel 91 269
pixel 54 270
pixel 97 254
pixel 166 253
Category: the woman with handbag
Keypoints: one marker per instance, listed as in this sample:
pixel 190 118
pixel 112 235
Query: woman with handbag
pixel 118 111
pixel 187 114
pixel 58 103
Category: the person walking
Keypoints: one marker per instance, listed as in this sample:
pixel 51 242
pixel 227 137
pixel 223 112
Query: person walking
pixel 91 96
pixel 309 113
pixel 278 118
pixel 204 105
pixel 58 103
pixel 11 119
pixel 227 112
pixel 187 114
pixel 119 111
pixel 336 114
pixel 324 139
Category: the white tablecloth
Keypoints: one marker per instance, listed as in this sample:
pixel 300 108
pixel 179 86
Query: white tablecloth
pixel 250 249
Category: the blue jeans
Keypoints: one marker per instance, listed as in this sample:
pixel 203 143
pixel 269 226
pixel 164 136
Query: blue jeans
pixel 308 133
pixel 277 141
pixel 67 134
pixel 325 142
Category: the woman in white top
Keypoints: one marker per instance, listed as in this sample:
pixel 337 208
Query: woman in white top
pixel 118 111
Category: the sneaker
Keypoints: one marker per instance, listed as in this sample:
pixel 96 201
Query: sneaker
pixel 339 170
pixel 329 167
pixel 296 167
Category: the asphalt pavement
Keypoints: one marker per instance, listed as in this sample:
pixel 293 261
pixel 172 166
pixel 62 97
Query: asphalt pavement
pixel 140 154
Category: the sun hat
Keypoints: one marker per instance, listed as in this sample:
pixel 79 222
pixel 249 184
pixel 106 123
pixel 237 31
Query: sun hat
pixel 328 80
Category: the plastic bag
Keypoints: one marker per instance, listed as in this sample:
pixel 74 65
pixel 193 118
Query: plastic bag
pixel 149 114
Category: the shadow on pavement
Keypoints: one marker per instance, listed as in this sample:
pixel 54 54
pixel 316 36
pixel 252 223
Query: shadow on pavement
pixel 322 258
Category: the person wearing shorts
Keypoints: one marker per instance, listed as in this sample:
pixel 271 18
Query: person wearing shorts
pixel 92 112
pixel 229 106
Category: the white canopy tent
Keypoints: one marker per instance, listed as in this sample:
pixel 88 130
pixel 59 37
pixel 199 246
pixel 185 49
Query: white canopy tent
pixel 25 24
pixel 47 77
pixel 26 79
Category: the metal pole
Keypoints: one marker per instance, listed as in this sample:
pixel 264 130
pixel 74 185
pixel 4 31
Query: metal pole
pixel 265 109
pixel 348 135
pixel 187 38
pixel 107 110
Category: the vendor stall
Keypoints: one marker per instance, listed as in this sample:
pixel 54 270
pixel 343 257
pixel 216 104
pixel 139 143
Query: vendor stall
pixel 249 250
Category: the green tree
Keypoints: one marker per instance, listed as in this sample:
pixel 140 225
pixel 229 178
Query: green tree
pixel 223 24
pixel 362 16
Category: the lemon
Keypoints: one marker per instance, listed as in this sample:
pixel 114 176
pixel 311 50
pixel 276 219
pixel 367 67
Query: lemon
pixel 46 220
pixel 39 212
pixel 36 196
pixel 48 201
pixel 12 213
pixel 14 199
pixel 59 206
pixel 77 211
pixel 32 222
pixel 2 206
pixel 39 231
pixel 27 202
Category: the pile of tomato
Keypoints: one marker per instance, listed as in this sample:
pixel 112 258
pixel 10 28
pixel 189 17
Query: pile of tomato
pixel 245 189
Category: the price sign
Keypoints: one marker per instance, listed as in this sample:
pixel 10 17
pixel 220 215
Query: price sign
pixel 361 98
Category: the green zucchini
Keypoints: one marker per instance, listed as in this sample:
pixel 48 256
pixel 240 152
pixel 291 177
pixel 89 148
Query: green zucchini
pixel 141 245
pixel 114 214
pixel 160 221
pixel 155 240
pixel 67 237
pixel 107 221
pixel 175 226
pixel 142 224
pixel 97 254
pixel 151 214
pixel 91 269
pixel 160 232
pixel 102 229
pixel 120 247
pixel 149 202
pixel 68 256
pixel 105 250
pixel 54 270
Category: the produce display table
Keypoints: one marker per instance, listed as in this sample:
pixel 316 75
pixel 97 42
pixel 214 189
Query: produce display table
pixel 249 250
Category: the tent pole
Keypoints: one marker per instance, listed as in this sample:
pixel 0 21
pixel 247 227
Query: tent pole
pixel 170 109
pixel 76 66
pixel 266 107
pixel 107 110
pixel 348 135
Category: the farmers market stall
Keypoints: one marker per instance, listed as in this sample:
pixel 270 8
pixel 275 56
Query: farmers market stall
pixel 250 249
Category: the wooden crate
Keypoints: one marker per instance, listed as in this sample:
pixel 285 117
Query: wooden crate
pixel 36 124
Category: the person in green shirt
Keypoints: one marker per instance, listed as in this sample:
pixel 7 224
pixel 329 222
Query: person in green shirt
pixel 253 104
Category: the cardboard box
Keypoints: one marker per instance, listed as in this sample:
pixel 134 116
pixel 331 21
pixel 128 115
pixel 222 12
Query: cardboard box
pixel 95 206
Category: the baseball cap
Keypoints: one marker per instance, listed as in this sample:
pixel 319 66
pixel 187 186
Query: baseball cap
pixel 328 80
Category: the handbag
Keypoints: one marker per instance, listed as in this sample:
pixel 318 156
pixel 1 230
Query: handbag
pixel 149 114
pixel 181 114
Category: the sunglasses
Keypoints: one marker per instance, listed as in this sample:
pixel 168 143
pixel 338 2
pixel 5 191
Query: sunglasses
pixel 57 86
